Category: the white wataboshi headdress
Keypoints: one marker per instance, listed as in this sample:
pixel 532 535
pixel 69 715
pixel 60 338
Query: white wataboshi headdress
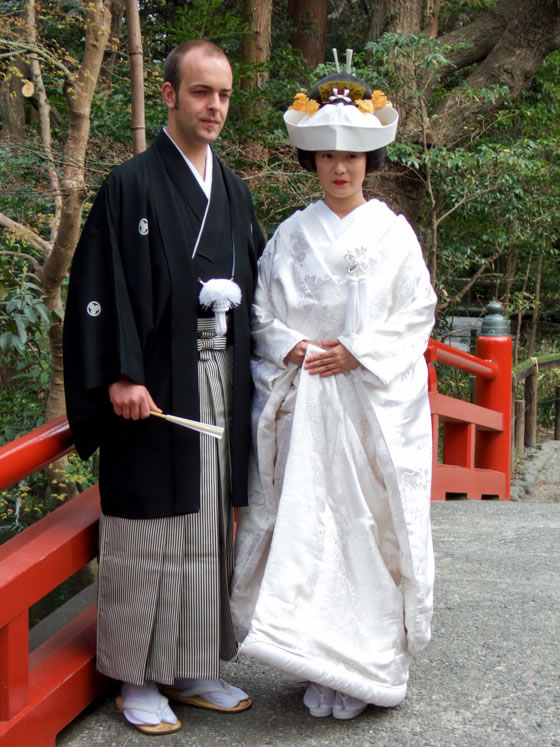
pixel 341 113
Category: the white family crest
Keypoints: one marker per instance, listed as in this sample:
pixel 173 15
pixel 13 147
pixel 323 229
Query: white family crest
pixel 93 308
pixel 143 227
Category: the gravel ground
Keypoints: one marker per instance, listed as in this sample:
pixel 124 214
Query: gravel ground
pixel 490 677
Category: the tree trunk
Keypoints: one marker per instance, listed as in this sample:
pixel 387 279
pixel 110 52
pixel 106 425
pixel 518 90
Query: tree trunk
pixel 405 16
pixel 536 310
pixel 309 28
pixel 79 93
pixel 431 17
pixel 510 274
pixel 379 19
pixel 517 342
pixel 135 56
pixel 472 43
pixel 12 101
pixel 44 114
pixel 531 33
pixel 255 46
pixel 113 45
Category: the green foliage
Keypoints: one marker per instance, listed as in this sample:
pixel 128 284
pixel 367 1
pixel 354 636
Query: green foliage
pixel 24 372
pixel 23 315
pixel 493 194
pixel 207 19
pixel 24 191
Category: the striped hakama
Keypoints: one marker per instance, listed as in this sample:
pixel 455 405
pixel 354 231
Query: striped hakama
pixel 163 602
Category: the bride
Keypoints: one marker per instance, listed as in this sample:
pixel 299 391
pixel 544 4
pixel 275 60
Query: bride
pixel 334 564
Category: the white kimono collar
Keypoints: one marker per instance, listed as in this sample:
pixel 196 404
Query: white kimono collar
pixel 206 183
pixel 335 224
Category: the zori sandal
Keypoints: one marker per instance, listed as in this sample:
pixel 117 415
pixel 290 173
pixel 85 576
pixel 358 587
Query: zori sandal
pixel 346 707
pixel 163 727
pixel 214 695
pixel 319 699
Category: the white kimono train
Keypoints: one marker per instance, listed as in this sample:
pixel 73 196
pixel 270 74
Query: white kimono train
pixel 334 563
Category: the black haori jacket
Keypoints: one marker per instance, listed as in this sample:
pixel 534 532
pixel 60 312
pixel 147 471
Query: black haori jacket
pixel 132 310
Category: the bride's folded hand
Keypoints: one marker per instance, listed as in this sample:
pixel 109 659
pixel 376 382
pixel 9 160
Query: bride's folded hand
pixel 297 353
pixel 336 359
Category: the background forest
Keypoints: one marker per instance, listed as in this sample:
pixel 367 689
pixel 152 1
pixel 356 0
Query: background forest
pixel 475 168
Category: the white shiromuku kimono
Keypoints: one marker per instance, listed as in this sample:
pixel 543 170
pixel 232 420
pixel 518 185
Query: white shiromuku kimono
pixel 334 563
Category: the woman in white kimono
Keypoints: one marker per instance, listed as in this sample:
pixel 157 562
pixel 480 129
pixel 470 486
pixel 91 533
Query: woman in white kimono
pixel 334 563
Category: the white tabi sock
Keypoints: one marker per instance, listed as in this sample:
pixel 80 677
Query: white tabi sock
pixel 214 691
pixel 157 708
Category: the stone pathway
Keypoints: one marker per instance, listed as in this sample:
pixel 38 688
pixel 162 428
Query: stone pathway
pixel 539 476
pixel 490 677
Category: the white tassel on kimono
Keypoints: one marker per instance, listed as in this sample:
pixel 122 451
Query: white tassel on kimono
pixel 352 308
pixel 363 309
pixel 221 295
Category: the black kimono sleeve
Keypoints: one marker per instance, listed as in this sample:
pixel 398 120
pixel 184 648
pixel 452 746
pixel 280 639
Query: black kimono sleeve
pixel 101 340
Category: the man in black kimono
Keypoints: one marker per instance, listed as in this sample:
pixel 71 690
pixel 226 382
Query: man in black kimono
pixel 137 339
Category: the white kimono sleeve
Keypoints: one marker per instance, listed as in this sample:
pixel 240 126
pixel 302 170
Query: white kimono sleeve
pixel 272 339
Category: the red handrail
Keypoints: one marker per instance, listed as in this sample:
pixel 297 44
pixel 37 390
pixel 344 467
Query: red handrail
pixel 34 450
pixel 439 351
pixel 43 690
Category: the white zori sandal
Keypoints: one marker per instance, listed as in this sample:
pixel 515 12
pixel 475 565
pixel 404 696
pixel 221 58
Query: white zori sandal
pixel 346 707
pixel 147 709
pixel 214 695
pixel 319 699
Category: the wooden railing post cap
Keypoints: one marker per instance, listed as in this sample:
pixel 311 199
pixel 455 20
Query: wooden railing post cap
pixel 494 323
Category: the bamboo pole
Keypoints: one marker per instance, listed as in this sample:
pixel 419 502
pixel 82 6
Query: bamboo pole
pixel 138 125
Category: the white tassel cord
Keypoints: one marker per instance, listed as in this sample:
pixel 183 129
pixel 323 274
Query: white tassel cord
pixel 362 304
pixel 220 295
pixel 351 320
pixel 356 306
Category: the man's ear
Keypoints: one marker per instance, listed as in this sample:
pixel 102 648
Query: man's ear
pixel 168 95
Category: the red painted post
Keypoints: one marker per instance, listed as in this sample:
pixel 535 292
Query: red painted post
pixel 493 449
pixel 14 666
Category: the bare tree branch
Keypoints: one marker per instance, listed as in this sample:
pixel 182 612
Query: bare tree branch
pixel 41 52
pixel 467 197
pixel 30 236
pixel 36 265
pixel 44 116
pixel 476 276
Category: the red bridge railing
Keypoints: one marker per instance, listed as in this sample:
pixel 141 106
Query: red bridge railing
pixel 476 448
pixel 43 690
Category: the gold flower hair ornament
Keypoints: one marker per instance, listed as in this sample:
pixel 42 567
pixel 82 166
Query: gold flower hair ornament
pixel 367 106
pixel 304 104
